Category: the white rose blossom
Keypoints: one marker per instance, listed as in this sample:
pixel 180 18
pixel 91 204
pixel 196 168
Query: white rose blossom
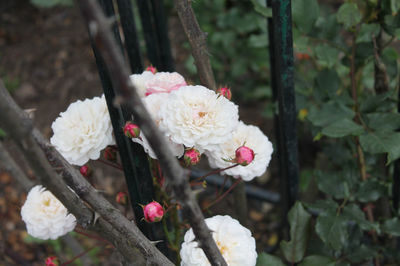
pixel 234 241
pixel 153 103
pixel 250 136
pixel 140 81
pixel 197 116
pixel 83 130
pixel 45 216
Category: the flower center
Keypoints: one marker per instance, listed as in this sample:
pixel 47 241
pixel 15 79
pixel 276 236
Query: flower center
pixel 223 249
pixel 202 114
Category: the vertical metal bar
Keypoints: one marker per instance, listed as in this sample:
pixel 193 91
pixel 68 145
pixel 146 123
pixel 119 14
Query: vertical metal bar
pixel 149 33
pixel 161 25
pixel 134 161
pixel 396 174
pixel 281 53
pixel 130 34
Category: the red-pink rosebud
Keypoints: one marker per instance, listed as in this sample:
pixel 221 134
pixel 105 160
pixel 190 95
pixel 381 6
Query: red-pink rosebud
pixel 153 212
pixel 51 261
pixel 191 156
pixel 121 198
pixel 151 69
pixel 226 92
pixel 110 154
pixel 131 130
pixel 85 170
pixel 244 155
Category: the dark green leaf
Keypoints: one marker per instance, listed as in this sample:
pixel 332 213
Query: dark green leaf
pixel 394 6
pixel 261 9
pixel 258 40
pixel 2 133
pixel 265 259
pixel 370 190
pixel 329 113
pixel 299 221
pixel 392 227
pixel 349 15
pixel 51 3
pixel 331 228
pixel 316 260
pixel 342 128
pixel 328 81
pixel 384 121
pixel 305 13
pixel 362 253
pixel 327 205
pixel 353 213
pixel 366 32
pixel 374 101
pixel 381 142
pixel 327 55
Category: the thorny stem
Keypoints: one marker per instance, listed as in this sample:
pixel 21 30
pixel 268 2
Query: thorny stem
pixel 81 255
pixel 215 172
pixel 360 153
pixel 223 195
pixel 116 166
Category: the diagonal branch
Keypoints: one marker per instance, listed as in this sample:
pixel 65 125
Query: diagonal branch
pixel 127 96
pixel 198 41
pixel 112 224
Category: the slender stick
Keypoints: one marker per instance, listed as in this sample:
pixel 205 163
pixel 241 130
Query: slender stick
pixel 215 172
pixel 198 41
pixel 127 97
pixel 240 198
pixel 223 195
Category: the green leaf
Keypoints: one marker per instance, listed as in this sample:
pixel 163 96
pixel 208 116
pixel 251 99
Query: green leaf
pixel 349 15
pixel 366 32
pixel 394 6
pixel 261 9
pixel 352 212
pixel 328 81
pixel 382 142
pixel 342 128
pixel 333 184
pixel 384 121
pixel 373 102
pixel 332 230
pixel 299 220
pixel 329 113
pixel 2 133
pixel 327 56
pixel 316 260
pixel 265 259
pixel 51 3
pixel 370 190
pixel 258 41
pixel 320 206
pixel 392 227
pixel 305 14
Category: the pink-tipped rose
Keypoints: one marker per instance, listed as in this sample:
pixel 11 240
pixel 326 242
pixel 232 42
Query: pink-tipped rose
pixel 164 82
pixel 85 170
pixel 121 198
pixel 151 69
pixel 131 130
pixel 51 261
pixel 153 212
pixel 244 155
pixel 191 156
pixel 226 92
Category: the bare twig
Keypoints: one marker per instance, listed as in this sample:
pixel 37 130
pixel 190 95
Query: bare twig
pixel 127 96
pixel 197 39
pixel 381 77
pixel 111 224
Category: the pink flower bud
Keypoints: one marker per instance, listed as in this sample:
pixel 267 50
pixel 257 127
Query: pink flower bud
pixel 153 212
pixel 191 156
pixel 122 198
pixel 110 154
pixel 85 170
pixel 244 155
pixel 226 92
pixel 51 261
pixel 131 130
pixel 151 69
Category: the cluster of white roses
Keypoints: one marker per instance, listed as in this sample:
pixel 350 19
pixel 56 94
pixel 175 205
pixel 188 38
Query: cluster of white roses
pixel 191 117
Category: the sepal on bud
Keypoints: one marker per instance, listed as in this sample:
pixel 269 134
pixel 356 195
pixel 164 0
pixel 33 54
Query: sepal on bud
pixel 151 69
pixel 153 212
pixel 85 170
pixel 121 198
pixel 191 156
pixel 226 92
pixel 244 155
pixel 131 130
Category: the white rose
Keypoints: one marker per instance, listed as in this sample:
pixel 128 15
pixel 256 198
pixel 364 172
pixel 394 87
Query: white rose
pixel 140 81
pixel 83 130
pixel 234 241
pixel 196 116
pixel 250 136
pixel 45 216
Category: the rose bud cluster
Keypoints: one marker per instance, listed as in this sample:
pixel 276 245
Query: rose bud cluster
pixel 226 92
pixel 244 155
pixel 191 156
pixel 85 170
pixel 121 198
